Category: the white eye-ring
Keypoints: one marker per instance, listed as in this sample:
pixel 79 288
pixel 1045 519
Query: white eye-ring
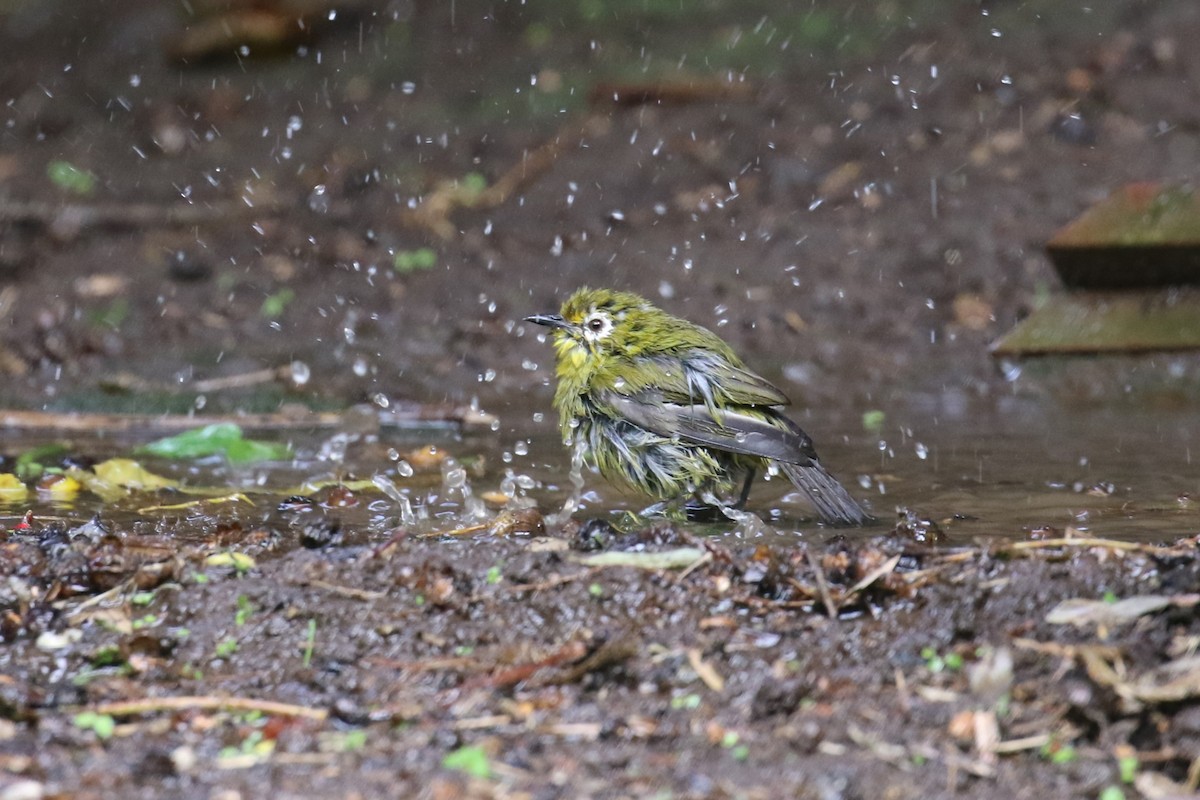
pixel 597 326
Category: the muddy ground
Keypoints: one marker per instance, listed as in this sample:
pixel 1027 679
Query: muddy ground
pixel 856 197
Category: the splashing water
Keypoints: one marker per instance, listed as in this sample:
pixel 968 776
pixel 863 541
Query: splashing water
pixel 403 505
pixel 572 503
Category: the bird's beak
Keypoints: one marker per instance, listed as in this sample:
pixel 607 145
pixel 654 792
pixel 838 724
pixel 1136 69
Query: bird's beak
pixel 549 320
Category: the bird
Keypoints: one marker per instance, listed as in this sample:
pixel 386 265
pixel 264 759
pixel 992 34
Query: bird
pixel 664 407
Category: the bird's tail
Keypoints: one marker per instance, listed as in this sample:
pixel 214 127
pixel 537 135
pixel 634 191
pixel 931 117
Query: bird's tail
pixel 832 501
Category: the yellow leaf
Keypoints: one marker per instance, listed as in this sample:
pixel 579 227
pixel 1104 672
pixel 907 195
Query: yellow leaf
pixel 12 490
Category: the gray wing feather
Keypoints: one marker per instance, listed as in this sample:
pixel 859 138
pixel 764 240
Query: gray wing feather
pixel 776 438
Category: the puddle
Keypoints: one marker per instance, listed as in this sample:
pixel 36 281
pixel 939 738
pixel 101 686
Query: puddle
pixel 1021 470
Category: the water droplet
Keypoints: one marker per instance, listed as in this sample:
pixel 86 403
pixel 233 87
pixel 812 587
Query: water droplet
pixel 521 448
pixel 318 200
pixel 453 475
pixel 403 468
pixel 301 374
pixel 922 451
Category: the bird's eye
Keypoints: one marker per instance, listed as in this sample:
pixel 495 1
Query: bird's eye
pixel 596 324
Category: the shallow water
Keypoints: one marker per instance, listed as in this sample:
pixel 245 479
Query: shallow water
pixel 1000 468
pixel 1012 469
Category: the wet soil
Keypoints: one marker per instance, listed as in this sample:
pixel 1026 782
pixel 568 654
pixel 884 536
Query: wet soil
pixel 855 198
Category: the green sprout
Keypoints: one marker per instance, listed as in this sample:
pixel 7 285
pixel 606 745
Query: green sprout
pixel 244 610
pixel 274 304
pixel 471 760
pixel 422 258
pixel 310 642
pixel 102 725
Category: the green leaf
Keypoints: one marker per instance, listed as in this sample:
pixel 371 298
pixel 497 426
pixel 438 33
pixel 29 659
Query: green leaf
pixel 248 451
pixel 197 442
pixel 1128 766
pixel 1112 793
pixel 872 421
pixel 66 175
pixel 223 438
pixel 30 466
pixel 471 760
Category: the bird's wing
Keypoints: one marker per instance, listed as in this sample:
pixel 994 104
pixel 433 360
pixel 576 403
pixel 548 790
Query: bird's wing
pixel 757 432
pixel 695 376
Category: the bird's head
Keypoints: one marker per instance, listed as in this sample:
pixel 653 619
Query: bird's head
pixel 595 323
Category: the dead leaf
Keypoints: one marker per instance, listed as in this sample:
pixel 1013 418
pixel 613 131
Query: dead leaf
pixel 678 558
pixel 973 312
pixel 1080 612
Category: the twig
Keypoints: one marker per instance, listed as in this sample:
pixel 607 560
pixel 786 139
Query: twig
pixel 403 417
pixel 1111 544
pixel 1026 743
pixel 557 580
pixel 70 218
pixel 433 214
pixel 150 705
pixel 667 93
pixel 464 531
pixel 872 576
pixel 479 723
pixel 385 549
pixel 705 671
pixel 449 663
pixel 822 587
pixel 572 651
pixel 344 591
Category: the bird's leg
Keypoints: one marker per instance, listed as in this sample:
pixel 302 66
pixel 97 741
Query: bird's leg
pixel 745 495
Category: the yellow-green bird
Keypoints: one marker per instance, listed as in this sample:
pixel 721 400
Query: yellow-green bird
pixel 666 408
